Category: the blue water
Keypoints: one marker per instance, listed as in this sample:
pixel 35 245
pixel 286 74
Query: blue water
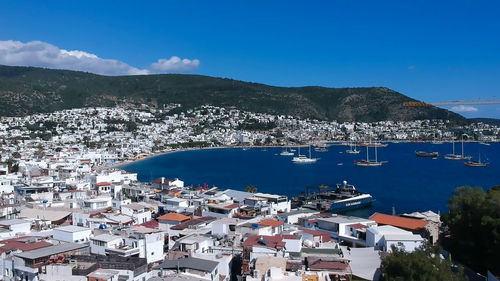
pixel 407 182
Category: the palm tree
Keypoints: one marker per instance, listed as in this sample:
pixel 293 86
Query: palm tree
pixel 251 189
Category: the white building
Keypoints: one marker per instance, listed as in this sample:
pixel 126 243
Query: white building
pixel 72 233
pixel 14 227
pixel 138 212
pixel 100 243
pixel 383 237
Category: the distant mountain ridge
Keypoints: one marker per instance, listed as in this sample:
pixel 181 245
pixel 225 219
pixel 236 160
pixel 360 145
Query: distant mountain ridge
pixel 28 90
pixel 490 121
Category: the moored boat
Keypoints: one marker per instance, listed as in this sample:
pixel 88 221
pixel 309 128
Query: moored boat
pixel 342 198
pixel 427 154
pixel 478 163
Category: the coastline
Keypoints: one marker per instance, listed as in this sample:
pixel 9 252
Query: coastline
pixel 119 165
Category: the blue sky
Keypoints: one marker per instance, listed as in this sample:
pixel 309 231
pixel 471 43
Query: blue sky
pixel 429 50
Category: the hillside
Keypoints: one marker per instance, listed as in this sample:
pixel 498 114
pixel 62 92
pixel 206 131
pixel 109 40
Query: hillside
pixel 27 90
pixel 490 121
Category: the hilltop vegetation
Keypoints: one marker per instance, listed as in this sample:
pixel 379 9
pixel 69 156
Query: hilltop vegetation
pixel 28 90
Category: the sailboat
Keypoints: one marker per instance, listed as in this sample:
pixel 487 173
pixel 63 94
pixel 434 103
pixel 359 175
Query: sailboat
pixel 471 163
pixel 352 149
pixel 454 156
pixel 367 162
pixel 304 159
pixel 285 152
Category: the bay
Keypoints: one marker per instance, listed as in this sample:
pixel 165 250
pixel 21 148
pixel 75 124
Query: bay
pixel 406 182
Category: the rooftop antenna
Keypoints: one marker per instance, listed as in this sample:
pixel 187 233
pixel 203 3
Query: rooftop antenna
pixel 393 210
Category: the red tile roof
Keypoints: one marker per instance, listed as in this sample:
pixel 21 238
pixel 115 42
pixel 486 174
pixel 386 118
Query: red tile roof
pixel 104 183
pixel 271 222
pixel 173 217
pixel 328 265
pixel 357 226
pixel 150 224
pixel 232 206
pixel 325 236
pixel 16 243
pixel 275 241
pixel 406 223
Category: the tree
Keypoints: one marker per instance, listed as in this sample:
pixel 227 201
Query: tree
pixel 251 189
pixel 424 263
pixel 474 226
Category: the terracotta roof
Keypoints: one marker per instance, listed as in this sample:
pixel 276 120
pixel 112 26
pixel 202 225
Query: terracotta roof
pixel 150 224
pixel 271 222
pixel 275 241
pixel 173 217
pixel 357 226
pixel 325 235
pixel 232 206
pixel 406 223
pixel 104 183
pixel 328 265
pixel 22 244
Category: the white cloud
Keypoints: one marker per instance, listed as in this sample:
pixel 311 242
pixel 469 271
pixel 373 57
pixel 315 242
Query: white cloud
pixel 42 54
pixel 464 108
pixel 175 64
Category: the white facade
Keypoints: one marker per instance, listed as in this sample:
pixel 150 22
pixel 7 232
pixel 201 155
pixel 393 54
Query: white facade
pixel 16 227
pixel 71 233
pixel 383 237
pixel 100 243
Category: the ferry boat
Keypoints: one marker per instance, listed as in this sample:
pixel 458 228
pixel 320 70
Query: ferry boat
pixel 427 154
pixel 342 198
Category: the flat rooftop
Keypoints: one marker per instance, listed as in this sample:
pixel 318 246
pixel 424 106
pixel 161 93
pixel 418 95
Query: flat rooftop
pixel 51 250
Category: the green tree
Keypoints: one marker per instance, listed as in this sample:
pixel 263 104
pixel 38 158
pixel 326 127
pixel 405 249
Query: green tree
pixel 424 263
pixel 474 226
pixel 251 189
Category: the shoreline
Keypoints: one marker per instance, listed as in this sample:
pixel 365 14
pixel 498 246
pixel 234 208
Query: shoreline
pixel 121 164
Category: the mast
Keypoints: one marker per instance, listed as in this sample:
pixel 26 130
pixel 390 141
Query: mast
pixel 462 146
pixel 367 158
pixel 376 159
pixel 309 151
pixel 453 142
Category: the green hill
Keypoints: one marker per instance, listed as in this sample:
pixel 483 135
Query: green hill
pixel 27 90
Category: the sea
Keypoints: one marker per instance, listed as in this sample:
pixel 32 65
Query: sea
pixel 404 183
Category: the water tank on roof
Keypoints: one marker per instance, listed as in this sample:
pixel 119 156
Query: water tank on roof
pixel 103 226
pixel 308 243
pixel 255 225
pixel 45 201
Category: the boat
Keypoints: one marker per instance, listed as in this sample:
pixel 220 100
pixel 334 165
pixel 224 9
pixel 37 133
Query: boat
pixel 485 143
pixel 320 149
pixel 336 199
pixel 352 149
pixel 373 144
pixel 285 152
pixel 304 159
pixel 471 163
pixel 367 162
pixel 427 154
pixel 454 156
